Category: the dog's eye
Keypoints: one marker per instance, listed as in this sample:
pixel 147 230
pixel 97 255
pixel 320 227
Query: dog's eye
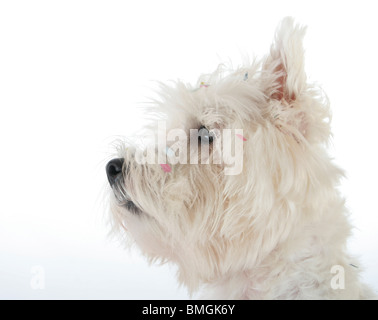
pixel 204 135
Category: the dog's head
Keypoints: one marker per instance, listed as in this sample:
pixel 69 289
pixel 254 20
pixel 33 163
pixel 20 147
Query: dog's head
pixel 229 163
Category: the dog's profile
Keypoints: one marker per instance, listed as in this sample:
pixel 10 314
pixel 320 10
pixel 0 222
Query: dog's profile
pixel 276 226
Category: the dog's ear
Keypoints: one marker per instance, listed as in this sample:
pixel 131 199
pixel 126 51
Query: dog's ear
pixel 284 66
pixel 285 85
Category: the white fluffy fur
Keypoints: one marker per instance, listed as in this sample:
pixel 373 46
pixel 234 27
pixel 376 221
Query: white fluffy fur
pixel 272 232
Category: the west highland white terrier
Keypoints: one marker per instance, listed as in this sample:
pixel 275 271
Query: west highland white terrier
pixel 234 184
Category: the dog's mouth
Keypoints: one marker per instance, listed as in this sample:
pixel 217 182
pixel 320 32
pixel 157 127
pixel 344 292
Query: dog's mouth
pixel 123 198
pixel 131 206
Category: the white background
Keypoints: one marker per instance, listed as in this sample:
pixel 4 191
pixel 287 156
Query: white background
pixel 72 74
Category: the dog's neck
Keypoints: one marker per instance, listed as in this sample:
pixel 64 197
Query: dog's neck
pixel 310 265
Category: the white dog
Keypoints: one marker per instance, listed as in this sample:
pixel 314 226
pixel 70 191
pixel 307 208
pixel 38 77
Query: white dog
pixel 245 201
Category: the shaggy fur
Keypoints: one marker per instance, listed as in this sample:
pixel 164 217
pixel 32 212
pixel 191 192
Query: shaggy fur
pixel 275 230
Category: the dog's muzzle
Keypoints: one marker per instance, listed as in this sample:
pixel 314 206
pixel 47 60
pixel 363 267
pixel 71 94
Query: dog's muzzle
pixel 116 180
pixel 114 170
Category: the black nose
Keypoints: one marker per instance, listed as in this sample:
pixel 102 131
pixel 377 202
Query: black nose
pixel 114 169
